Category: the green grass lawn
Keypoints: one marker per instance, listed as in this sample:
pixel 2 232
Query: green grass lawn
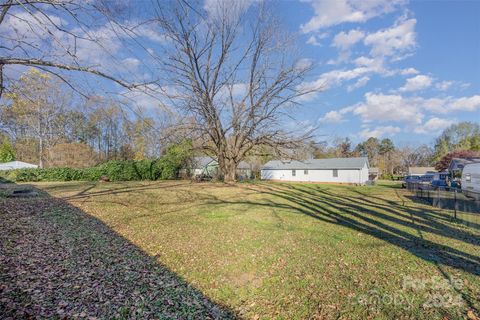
pixel 257 251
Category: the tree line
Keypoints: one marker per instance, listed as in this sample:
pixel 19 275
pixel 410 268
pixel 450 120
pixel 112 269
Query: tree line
pixel 42 123
pixel 459 140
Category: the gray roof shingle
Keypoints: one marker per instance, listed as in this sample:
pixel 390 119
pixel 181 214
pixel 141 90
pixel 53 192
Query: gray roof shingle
pixel 331 163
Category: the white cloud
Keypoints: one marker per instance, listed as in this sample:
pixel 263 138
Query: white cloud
pixel 383 108
pixel 417 83
pixel 380 131
pixel 396 108
pixel 149 31
pixel 333 12
pixel 466 103
pixel 360 83
pixel 336 77
pixel 433 125
pixel 394 41
pixel 131 63
pixel 365 66
pixel 444 85
pixel 304 63
pixel 150 97
pixel 27 27
pixel 315 39
pixel 216 8
pixel 344 40
pixel 332 117
pixel 409 71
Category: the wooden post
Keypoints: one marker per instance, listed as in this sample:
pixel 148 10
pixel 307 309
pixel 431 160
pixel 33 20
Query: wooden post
pixel 455 204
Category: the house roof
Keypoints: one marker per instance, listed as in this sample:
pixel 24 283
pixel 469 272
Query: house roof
pixel 244 165
pixel 201 162
pixel 321 164
pixel 420 170
pixel 16 165
pixel 459 163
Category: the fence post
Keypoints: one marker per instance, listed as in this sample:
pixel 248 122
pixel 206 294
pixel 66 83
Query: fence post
pixel 439 203
pixel 455 204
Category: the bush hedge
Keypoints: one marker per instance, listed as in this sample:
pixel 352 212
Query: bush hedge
pixel 116 170
pixel 166 167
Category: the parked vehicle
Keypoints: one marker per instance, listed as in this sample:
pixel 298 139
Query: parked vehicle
pixel 456 184
pixel 471 181
pixel 410 179
pixel 427 178
pixel 440 180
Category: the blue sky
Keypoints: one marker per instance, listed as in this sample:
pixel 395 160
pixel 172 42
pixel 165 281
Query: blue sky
pixel 397 69
pixel 389 68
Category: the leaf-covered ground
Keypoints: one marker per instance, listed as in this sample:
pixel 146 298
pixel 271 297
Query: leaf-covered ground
pixel 258 251
pixel 58 262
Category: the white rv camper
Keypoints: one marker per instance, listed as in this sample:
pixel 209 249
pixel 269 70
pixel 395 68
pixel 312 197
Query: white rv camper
pixel 471 180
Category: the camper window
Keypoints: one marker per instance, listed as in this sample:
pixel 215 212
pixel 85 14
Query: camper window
pixel 294 173
pixel 468 177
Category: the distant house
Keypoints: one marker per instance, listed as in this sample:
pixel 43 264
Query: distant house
pixel 244 170
pixel 16 165
pixel 334 170
pixel 456 165
pixel 208 166
pixel 420 171
pixel 203 166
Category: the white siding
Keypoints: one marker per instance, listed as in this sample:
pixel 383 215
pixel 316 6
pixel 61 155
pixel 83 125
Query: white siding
pixel 326 175
pixel 16 165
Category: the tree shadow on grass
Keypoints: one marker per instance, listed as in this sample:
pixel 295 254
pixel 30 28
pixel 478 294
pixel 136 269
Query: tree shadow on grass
pixel 399 225
pixel 56 261
pixel 385 221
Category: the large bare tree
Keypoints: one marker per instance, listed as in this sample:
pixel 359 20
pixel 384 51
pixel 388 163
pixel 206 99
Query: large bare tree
pixel 235 71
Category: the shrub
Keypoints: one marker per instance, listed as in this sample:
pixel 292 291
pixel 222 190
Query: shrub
pixel 7 153
pixel 115 171
pixel 166 167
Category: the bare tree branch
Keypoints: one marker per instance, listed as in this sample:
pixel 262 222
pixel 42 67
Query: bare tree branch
pixel 37 62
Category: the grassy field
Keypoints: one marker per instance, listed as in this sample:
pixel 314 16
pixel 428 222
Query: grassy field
pixel 257 251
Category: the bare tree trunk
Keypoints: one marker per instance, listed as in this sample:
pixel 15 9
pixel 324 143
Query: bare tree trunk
pixel 40 152
pixel 40 139
pixel 230 171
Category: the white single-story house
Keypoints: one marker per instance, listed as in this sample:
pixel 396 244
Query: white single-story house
pixel 334 170
pixel 16 165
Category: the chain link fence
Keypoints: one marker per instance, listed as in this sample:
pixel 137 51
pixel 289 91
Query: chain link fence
pixel 462 208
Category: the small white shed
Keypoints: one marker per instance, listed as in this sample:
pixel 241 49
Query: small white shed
pixel 333 170
pixel 16 165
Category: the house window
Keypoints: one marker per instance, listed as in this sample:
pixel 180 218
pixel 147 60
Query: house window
pixel 294 173
pixel 305 172
pixel 335 173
